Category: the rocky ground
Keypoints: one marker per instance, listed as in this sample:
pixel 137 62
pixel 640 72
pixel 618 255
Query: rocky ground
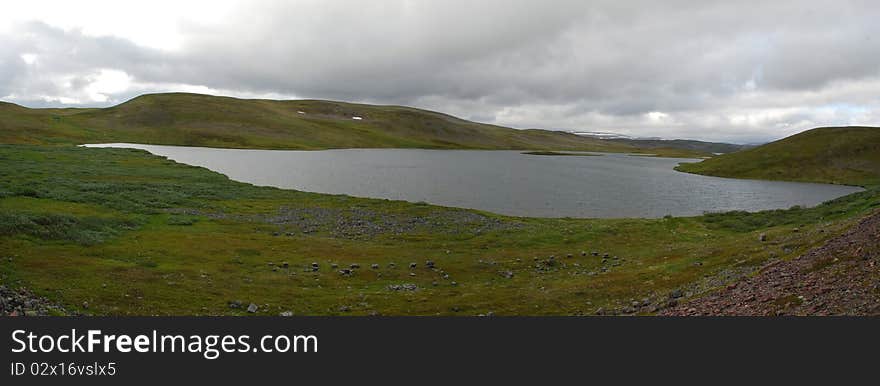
pixel 841 277
pixel 21 302
pixel 356 223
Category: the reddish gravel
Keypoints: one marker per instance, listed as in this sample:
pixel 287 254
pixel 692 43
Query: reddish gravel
pixel 841 277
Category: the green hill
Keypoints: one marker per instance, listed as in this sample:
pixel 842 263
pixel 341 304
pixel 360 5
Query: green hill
pixel 204 120
pixel 840 155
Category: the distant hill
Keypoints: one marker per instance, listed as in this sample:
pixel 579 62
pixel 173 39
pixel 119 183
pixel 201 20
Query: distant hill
pixel 840 155
pixel 205 120
pixel 683 144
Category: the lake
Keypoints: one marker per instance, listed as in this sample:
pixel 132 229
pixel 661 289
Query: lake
pixel 506 182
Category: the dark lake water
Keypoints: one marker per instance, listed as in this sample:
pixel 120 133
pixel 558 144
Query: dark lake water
pixel 507 182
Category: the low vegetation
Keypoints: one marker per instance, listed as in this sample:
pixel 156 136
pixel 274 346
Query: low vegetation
pixel 840 155
pixel 123 232
pixel 204 120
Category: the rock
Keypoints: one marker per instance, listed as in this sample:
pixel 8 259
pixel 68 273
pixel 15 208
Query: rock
pixel 344 308
pixel 413 265
pixel 252 308
pixel 675 294
pixel 762 237
pixel 403 287
pixel 85 305
pixel 315 265
pixel 286 314
pixel 507 274
pixel 334 266
pixel 375 266
pixel 285 265
pixel 594 253
pixel 354 266
pixel 569 255
pixel 583 253
pixel 345 272
pixel 429 264
pixel 454 283
pixel 392 265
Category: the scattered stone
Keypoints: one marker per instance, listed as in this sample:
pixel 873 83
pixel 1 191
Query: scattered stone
pixel 85 305
pixel 334 266
pixel 762 237
pixel 429 264
pixel 454 283
pixel 345 272
pixel 285 265
pixel 675 294
pixel 507 274
pixel 413 265
pixel 375 266
pixel 344 308
pixel 403 287
pixel 286 314
pixel 583 253
pixel 594 253
pixel 354 266
pixel 252 308
pixel 569 255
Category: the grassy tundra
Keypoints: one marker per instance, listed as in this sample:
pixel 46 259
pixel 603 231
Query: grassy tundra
pixel 123 232
pixel 204 120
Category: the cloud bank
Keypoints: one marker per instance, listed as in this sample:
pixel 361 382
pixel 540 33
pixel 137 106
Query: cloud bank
pixel 746 71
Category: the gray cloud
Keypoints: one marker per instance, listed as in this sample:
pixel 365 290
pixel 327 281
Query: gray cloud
pixel 739 71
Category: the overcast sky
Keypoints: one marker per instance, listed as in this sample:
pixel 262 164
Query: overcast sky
pixel 739 71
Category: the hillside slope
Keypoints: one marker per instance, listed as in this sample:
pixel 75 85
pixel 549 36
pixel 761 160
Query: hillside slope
pixel 204 120
pixel 840 155
pixel 684 144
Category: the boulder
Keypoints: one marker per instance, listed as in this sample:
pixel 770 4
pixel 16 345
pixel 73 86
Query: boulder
pixel 252 308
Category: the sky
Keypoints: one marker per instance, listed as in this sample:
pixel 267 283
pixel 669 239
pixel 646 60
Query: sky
pixel 743 71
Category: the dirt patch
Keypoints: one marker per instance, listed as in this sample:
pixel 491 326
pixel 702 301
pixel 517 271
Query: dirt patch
pixel 841 277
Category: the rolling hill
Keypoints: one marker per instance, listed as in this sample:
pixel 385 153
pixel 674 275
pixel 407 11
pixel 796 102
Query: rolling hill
pixel 204 120
pixel 840 155
pixel 684 144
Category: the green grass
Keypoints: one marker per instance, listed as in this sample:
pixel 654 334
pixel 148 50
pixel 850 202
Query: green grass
pixel 135 234
pixel 839 155
pixel 204 120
